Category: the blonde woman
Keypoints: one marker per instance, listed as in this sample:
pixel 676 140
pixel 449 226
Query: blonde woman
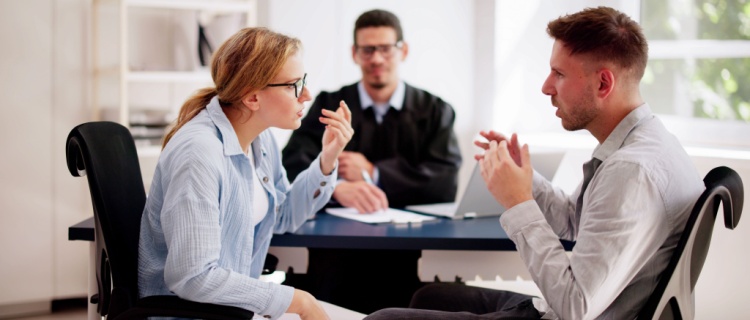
pixel 220 191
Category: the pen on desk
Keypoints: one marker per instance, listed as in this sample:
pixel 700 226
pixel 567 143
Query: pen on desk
pixel 368 179
pixel 366 176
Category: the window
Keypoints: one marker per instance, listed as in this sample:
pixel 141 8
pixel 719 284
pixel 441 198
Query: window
pixel 699 58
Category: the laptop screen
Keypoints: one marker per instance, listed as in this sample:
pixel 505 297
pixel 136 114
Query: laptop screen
pixel 477 201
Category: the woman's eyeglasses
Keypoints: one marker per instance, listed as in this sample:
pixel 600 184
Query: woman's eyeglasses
pixel 298 85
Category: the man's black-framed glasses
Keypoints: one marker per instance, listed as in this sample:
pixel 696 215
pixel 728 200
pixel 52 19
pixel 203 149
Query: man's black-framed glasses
pixel 386 50
pixel 298 85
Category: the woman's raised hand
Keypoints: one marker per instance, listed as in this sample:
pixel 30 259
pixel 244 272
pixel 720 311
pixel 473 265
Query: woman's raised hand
pixel 337 134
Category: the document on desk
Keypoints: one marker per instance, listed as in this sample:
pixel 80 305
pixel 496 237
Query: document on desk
pixel 386 216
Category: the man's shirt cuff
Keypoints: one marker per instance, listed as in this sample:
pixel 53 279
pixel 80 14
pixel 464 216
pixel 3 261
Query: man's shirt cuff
pixel 521 215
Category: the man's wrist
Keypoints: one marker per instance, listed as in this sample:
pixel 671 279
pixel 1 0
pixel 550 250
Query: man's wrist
pixel 518 200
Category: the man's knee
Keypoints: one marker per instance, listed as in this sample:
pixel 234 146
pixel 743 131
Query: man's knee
pixel 389 314
pixel 428 296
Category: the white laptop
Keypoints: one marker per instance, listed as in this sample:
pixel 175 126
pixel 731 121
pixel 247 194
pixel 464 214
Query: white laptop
pixel 477 201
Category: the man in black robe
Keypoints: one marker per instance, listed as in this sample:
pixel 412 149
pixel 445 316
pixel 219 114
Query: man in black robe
pixel 403 152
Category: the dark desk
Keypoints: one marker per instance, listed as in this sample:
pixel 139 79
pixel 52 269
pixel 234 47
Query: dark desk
pixel 326 231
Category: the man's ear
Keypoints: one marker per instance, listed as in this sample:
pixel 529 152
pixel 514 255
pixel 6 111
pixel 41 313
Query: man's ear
pixel 251 101
pixel 354 54
pixel 606 82
pixel 404 50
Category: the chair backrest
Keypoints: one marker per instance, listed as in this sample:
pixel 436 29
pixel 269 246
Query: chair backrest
pixel 723 185
pixel 106 154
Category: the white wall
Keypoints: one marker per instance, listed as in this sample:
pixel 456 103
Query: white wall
pixel 43 85
pixel 27 138
pixel 70 107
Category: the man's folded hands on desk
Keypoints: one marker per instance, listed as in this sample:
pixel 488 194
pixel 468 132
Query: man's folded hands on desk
pixel 355 188
pixel 363 200
pixel 360 195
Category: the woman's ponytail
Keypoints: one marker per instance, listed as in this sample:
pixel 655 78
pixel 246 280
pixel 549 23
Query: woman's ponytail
pixel 189 110
pixel 244 63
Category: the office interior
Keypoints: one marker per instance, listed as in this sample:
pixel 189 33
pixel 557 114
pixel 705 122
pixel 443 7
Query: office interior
pixel 487 58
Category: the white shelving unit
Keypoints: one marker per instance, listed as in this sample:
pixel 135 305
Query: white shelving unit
pixel 123 71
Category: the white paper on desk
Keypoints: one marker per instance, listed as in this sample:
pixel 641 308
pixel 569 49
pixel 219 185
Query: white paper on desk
pixel 387 216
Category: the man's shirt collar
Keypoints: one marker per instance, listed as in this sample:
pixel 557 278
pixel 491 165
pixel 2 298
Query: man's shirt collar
pixel 396 101
pixel 615 139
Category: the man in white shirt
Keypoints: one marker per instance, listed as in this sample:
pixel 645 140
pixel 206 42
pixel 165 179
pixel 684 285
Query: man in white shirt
pixel 627 215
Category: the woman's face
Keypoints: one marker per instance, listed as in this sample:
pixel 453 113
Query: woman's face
pixel 278 106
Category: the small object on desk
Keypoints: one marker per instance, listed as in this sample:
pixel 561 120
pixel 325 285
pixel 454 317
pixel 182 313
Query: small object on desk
pixel 385 216
pixel 368 180
pixel 366 176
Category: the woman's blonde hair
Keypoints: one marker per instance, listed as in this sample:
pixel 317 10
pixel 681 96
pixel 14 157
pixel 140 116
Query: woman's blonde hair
pixel 245 63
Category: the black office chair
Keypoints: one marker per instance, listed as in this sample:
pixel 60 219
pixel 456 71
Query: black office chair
pixel 723 185
pixel 105 152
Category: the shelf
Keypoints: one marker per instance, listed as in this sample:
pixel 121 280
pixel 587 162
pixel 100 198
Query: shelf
pixel 159 76
pixel 225 6
pixel 115 81
pixel 169 76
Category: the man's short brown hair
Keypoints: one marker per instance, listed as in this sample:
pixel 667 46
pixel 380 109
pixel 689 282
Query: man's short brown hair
pixel 604 34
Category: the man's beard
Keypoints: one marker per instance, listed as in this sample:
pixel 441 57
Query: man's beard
pixel 581 115
pixel 377 85
pixel 377 82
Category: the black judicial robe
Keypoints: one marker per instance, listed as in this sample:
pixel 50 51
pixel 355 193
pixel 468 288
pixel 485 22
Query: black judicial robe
pixel 415 149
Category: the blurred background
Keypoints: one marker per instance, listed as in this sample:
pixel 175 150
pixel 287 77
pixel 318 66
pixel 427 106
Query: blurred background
pixel 64 62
